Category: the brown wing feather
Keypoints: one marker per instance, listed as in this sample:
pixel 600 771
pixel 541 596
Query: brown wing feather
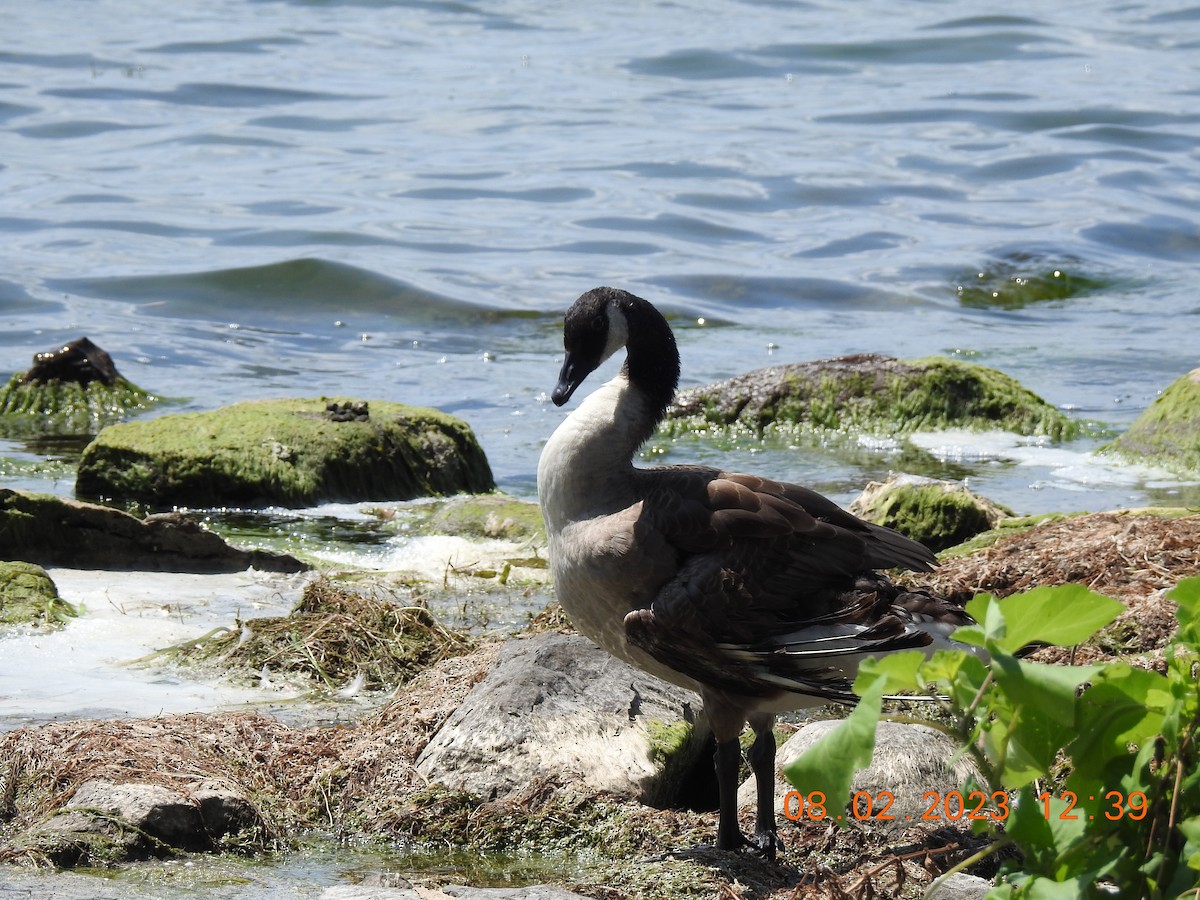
pixel 759 559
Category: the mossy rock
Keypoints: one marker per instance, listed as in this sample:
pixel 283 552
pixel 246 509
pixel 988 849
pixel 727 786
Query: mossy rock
pixel 939 514
pixel 870 393
pixel 67 407
pixel 28 596
pixel 289 452
pixel 1167 434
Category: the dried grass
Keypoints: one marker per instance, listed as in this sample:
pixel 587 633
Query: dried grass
pixel 1131 556
pixel 376 638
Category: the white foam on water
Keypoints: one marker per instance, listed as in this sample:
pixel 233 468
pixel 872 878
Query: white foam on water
pixel 1064 467
pixel 81 670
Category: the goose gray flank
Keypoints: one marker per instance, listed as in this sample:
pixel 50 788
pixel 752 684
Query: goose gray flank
pixel 762 596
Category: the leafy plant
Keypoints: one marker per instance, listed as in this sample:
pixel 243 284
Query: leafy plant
pixel 1127 809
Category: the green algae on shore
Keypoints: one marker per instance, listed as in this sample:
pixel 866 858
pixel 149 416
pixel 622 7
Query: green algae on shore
pixel 28 596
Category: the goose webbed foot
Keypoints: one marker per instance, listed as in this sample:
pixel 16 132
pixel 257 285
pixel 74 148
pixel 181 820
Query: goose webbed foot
pixel 765 843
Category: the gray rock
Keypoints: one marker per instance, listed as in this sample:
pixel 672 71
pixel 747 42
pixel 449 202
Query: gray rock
pixel 557 705
pixel 107 822
pixel 912 763
pixel 961 886
pixel 52 531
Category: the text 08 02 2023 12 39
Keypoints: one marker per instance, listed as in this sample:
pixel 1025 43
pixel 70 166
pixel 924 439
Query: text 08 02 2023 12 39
pixel 971 806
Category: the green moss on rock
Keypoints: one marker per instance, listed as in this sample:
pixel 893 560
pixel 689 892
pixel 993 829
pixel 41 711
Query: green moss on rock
pixel 939 514
pixel 288 452
pixel 28 596
pixel 1167 434
pixel 871 393
pixel 67 407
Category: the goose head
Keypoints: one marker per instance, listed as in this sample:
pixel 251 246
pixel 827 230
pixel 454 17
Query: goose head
pixel 600 323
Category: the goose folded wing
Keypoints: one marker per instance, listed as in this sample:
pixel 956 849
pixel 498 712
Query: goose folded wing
pixel 685 628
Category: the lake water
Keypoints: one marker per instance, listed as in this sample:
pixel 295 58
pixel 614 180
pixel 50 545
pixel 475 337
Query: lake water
pixel 398 200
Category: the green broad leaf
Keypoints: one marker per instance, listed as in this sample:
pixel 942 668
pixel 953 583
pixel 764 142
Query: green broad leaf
pixel 1048 889
pixel 956 673
pixel 1063 615
pixel 1123 706
pixel 1049 690
pixel 1187 595
pixel 1191 851
pixel 830 764
pixel 985 610
pixel 1040 701
pixel 897 671
pixel 1046 836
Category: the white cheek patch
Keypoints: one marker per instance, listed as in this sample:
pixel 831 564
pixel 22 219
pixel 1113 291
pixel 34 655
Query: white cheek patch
pixel 618 330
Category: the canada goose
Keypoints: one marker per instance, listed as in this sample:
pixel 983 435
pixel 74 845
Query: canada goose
pixel 757 594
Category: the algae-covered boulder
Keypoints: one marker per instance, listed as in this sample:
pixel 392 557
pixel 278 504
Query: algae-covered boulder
pixel 73 389
pixel 287 452
pixel 1168 432
pixel 937 513
pixel 28 596
pixel 870 393
pixel 51 531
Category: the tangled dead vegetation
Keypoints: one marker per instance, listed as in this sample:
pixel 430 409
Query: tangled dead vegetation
pixel 337 638
pixel 1131 556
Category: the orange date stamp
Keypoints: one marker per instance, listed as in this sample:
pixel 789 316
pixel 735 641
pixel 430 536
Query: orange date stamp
pixel 972 806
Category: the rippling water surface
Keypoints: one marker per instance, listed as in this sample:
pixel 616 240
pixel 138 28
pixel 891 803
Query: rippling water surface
pixel 397 200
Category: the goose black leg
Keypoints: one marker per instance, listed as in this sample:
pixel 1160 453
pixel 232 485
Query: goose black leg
pixel 728 760
pixel 762 763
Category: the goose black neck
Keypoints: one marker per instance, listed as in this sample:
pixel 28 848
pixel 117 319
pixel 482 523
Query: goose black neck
pixel 652 358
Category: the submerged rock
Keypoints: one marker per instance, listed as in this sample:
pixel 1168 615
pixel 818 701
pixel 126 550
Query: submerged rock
pixel 73 389
pixel 51 531
pixel 557 706
pixel 937 513
pixel 28 596
pixel 871 393
pixel 290 452
pixel 1167 434
pixel 495 516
